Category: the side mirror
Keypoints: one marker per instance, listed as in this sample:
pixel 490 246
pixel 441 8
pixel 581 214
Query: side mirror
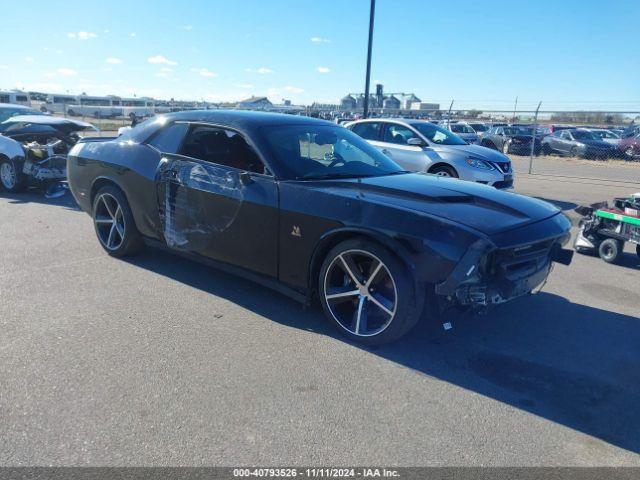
pixel 415 142
pixel 245 178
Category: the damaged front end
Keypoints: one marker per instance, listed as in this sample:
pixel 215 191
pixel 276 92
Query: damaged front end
pixel 35 149
pixel 46 162
pixel 487 275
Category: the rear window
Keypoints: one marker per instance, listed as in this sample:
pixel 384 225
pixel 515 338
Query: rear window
pixel 367 130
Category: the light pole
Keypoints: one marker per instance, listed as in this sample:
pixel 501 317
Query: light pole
pixel 372 13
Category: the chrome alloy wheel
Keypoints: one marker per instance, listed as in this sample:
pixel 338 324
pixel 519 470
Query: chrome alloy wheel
pixel 360 292
pixel 109 221
pixel 8 175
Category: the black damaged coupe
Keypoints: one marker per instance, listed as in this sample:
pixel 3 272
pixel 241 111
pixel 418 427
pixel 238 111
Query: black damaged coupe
pixel 308 207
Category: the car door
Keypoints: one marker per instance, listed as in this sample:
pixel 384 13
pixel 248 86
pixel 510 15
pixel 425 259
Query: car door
pixel 498 138
pixel 394 144
pixel 565 141
pixel 217 199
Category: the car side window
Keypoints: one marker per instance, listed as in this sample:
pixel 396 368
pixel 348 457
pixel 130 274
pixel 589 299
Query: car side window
pixel 499 131
pixel 367 130
pixel 169 139
pixel 397 134
pixel 222 147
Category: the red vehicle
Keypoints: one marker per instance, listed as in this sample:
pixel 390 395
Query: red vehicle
pixel 630 147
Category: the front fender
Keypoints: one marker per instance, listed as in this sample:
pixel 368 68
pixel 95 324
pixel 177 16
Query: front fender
pixel 11 149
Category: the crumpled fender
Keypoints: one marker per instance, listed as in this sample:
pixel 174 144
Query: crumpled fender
pixel 11 149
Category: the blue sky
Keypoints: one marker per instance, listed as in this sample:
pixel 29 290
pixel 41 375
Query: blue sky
pixel 569 54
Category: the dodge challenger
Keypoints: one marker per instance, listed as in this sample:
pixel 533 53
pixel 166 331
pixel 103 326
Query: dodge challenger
pixel 311 209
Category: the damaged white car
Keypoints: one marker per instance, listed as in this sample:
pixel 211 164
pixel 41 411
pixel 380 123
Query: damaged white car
pixel 33 149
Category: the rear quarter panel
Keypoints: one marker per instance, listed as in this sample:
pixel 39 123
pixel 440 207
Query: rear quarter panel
pixel 131 166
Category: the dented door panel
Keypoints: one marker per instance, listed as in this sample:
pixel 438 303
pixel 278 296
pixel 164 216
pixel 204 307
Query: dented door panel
pixel 209 210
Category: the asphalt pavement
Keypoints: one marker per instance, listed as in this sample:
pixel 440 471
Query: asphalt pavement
pixel 156 360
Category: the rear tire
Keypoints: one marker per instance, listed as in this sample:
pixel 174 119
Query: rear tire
pixel 114 224
pixel 444 171
pixel 610 250
pixel 367 293
pixel 505 147
pixel 11 178
pixel 629 153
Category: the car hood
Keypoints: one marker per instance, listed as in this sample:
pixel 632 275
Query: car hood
pixel 65 125
pixel 482 208
pixel 483 153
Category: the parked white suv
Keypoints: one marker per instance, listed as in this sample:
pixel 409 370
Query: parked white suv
pixel 422 146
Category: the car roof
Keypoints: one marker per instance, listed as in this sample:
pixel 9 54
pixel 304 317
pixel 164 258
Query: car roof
pixel 16 105
pixel 243 119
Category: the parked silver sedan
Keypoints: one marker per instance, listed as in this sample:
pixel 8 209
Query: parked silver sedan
pixel 422 146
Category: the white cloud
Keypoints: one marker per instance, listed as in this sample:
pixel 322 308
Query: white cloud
pixel 205 72
pixel 188 27
pixel 261 70
pixel 320 40
pixel 161 59
pixel 245 85
pixel 106 30
pixel 132 34
pixel 66 72
pixel 166 69
pixel 291 89
pixel 113 60
pixel 29 59
pixel 324 69
pixel 81 35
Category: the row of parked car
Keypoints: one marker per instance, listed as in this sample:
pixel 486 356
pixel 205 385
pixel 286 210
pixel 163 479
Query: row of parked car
pixel 585 142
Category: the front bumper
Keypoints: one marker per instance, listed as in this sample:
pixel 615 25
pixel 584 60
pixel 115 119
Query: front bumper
pixel 488 275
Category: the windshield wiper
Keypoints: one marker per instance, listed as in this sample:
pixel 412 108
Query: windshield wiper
pixel 397 172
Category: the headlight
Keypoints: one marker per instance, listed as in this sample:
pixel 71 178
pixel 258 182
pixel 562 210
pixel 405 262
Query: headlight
pixel 477 163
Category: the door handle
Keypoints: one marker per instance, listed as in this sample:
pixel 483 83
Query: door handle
pixel 386 152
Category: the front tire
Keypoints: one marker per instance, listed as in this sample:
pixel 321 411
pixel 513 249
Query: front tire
pixel 367 293
pixel 11 178
pixel 610 250
pixel 444 171
pixel 505 147
pixel 114 224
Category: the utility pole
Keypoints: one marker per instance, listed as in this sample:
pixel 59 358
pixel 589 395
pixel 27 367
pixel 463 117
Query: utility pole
pixel 515 106
pixel 449 115
pixel 372 13
pixel 533 141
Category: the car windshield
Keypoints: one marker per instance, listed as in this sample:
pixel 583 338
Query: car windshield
pixel 602 134
pixel 308 152
pixel 7 113
pixel 438 135
pixel 583 135
pixel 461 128
pixel 479 127
pixel 519 131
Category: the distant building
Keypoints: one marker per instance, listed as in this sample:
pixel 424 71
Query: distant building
pixel 255 103
pixel 348 103
pixel 380 100
pixel 391 103
pixel 425 107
